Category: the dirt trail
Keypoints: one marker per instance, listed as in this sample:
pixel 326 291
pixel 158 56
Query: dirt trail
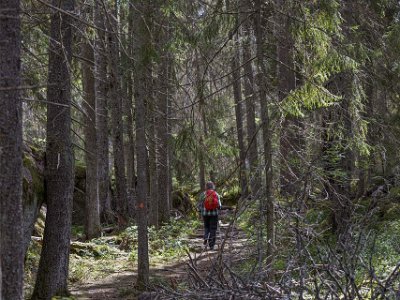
pixel 121 285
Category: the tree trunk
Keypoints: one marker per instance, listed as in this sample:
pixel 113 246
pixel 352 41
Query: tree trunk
pixel 142 92
pixel 267 137
pixel 53 266
pixel 202 110
pixel 162 127
pixel 11 246
pixel 153 157
pixel 290 134
pixel 101 88
pixel 163 150
pixel 116 121
pixel 130 145
pixel 237 94
pixel 92 224
pixel 250 99
pixel 130 153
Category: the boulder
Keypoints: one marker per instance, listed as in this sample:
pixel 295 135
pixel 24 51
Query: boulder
pixel 33 190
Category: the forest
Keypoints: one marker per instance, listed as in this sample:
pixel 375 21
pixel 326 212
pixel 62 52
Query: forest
pixel 117 117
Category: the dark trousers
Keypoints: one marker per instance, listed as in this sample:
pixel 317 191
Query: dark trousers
pixel 210 229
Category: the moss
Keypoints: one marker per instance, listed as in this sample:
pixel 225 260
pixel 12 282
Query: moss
pixel 32 258
pixel 93 250
pixel 80 171
pixel 392 212
pixel 40 224
pixel 183 202
pixel 33 182
pixel 395 193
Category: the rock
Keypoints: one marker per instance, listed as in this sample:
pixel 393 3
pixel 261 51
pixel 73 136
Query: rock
pixel 33 190
pixel 181 201
pixel 79 199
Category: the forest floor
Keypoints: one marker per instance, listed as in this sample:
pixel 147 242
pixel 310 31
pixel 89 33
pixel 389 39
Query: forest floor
pixel 174 275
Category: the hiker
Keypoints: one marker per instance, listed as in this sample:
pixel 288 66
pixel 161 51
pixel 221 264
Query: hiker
pixel 209 205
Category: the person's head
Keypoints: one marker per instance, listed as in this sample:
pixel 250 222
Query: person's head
pixel 210 185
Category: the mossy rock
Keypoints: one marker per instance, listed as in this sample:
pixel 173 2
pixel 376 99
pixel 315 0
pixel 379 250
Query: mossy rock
pixel 40 223
pixel 230 199
pixel 91 250
pixel 33 190
pixel 182 202
pixel 79 198
pixel 33 177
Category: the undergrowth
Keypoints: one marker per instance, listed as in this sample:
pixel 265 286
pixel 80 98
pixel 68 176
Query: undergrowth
pixel 105 255
pixel 305 244
pixel 166 243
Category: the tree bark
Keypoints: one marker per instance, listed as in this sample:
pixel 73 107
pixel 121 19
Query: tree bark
pixel 11 242
pixel 130 153
pixel 92 222
pixel 116 120
pixel 237 94
pixel 53 266
pixel 250 100
pixel 162 125
pixel 163 147
pixel 101 91
pixel 142 90
pixel 268 206
pixel 153 157
pixel 290 140
pixel 130 145
pixel 202 111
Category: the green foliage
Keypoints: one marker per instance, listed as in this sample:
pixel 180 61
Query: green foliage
pixel 96 259
pixel 358 141
pixel 168 242
pixel 384 247
pixel 32 258
pixel 77 231
pixel 319 58
pixel 308 96
pixel 230 194
pixel 392 37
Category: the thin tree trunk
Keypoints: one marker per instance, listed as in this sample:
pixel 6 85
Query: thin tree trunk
pixel 170 116
pixel 153 157
pixel 130 153
pixel 163 151
pixel 142 91
pixel 202 110
pixel 101 87
pixel 92 224
pixel 267 138
pixel 153 139
pixel 290 134
pixel 202 167
pixel 130 145
pixel 237 94
pixel 53 266
pixel 116 122
pixel 250 100
pixel 162 127
pixel 11 246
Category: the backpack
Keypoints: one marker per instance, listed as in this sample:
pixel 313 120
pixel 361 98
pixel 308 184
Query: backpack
pixel 211 200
